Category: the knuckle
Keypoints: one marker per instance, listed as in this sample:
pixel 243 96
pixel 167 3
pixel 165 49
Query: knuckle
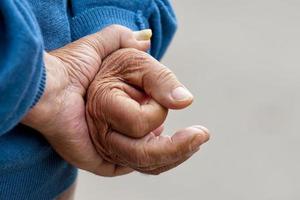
pixel 96 44
pixel 98 97
pixel 118 30
pixel 127 61
pixel 165 74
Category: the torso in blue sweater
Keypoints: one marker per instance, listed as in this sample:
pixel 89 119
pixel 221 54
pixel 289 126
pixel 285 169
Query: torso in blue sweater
pixel 29 168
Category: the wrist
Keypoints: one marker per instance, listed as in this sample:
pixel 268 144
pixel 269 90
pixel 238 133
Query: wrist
pixel 43 112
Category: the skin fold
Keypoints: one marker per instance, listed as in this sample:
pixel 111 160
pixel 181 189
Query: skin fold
pixel 102 110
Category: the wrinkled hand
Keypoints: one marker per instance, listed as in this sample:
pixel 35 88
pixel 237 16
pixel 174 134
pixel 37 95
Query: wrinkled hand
pixel 60 113
pixel 128 102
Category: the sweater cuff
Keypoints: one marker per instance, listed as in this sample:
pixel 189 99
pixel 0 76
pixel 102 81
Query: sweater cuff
pixel 26 99
pixel 95 19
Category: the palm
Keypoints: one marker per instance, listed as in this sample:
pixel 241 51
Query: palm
pixel 76 147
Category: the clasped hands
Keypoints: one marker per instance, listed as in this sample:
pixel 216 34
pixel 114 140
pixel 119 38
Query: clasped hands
pixel 105 102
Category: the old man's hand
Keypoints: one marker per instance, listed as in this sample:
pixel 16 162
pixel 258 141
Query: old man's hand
pixel 128 102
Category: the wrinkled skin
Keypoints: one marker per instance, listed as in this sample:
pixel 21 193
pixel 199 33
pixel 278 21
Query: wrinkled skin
pixel 96 132
pixel 125 108
pixel 60 113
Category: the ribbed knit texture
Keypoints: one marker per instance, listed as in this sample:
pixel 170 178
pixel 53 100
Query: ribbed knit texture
pixel 136 14
pixel 97 18
pixel 29 168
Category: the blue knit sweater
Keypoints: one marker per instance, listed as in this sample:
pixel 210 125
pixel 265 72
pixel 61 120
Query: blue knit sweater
pixel 29 168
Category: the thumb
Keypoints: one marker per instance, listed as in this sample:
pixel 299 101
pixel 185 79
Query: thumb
pixel 143 71
pixel 155 154
pixel 115 37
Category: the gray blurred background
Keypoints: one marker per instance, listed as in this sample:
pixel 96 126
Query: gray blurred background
pixel 241 60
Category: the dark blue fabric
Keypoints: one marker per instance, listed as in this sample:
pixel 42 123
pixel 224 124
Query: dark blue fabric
pixel 29 167
pixel 155 14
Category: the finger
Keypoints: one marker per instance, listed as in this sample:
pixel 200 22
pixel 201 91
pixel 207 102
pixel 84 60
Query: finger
pixel 131 118
pixel 159 167
pixel 114 37
pixel 161 150
pixel 107 169
pixel 179 152
pixel 143 35
pixel 159 130
pixel 159 170
pixel 156 80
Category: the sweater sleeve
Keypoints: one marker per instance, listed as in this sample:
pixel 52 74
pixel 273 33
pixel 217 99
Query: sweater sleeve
pixel 22 74
pixel 89 16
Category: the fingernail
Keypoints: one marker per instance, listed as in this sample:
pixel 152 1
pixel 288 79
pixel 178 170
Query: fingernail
pixel 143 35
pixel 205 133
pixel 181 94
pixel 197 141
pixel 202 128
pixel 201 137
